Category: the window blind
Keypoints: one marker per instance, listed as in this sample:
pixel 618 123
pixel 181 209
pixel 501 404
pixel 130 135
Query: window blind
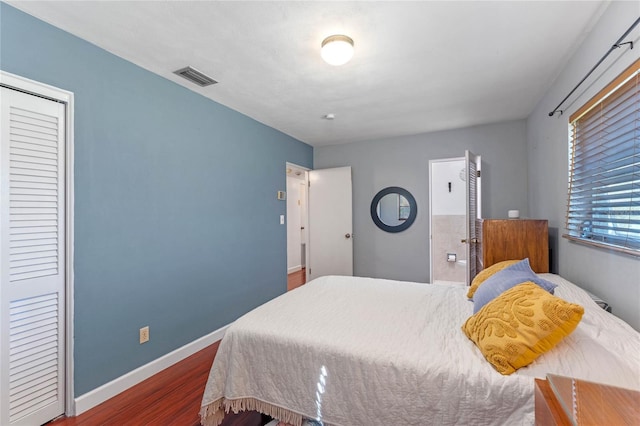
pixel 603 206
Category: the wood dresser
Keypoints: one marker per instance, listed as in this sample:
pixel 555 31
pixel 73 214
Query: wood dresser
pixel 566 401
pixel 507 239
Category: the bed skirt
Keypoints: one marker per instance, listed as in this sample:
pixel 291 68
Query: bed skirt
pixel 213 414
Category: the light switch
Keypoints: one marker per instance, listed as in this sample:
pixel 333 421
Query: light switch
pixel 281 219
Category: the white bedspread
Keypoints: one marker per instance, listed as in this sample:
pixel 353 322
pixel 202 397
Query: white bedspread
pixel 359 351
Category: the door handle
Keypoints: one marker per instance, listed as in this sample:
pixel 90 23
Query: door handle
pixel 347 236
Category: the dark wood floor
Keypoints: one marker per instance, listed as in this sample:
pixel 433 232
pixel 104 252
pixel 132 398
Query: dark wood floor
pixel 171 397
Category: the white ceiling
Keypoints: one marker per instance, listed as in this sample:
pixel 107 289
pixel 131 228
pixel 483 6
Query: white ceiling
pixel 418 66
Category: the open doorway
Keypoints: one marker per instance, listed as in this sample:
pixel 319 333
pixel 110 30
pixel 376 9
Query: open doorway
pixel 448 220
pixel 297 225
pixel 454 207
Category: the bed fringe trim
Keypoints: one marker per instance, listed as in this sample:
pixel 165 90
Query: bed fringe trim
pixel 213 414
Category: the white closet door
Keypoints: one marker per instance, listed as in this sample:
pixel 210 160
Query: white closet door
pixel 32 264
pixel 472 167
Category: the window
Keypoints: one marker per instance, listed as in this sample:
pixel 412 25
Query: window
pixel 604 170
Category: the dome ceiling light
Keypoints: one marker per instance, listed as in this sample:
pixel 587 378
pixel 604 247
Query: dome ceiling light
pixel 337 49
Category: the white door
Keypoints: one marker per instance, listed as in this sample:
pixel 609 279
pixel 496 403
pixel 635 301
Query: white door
pixel 294 256
pixel 32 258
pixel 330 223
pixel 472 167
pixel 303 222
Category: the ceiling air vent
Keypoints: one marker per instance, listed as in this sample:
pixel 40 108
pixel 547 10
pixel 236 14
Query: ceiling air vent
pixel 195 76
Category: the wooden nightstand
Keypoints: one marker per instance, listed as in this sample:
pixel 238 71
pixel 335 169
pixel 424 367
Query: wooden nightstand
pixel 566 401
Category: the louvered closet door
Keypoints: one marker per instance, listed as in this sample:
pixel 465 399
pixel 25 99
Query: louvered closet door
pixel 32 276
pixel 472 166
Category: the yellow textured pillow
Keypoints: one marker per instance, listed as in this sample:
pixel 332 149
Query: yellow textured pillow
pixel 521 324
pixel 486 273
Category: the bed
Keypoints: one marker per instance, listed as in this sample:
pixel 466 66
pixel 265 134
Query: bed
pixel 362 351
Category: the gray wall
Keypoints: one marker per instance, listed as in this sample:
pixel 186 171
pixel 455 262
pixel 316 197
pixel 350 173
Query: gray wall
pixel 404 162
pixel 176 216
pixel 615 277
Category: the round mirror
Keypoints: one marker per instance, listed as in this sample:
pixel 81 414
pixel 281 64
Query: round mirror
pixel 393 209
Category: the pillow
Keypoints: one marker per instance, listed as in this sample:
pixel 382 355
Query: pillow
pixel 503 280
pixel 486 273
pixel 521 324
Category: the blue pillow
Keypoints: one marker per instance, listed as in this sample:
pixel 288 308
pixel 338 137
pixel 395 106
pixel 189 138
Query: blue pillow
pixel 503 280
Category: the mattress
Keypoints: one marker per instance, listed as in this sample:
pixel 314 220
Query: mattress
pixel 355 351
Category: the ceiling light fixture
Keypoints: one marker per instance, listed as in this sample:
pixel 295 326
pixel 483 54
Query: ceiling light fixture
pixel 337 49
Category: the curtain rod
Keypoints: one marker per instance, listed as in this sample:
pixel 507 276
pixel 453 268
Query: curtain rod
pixel 616 45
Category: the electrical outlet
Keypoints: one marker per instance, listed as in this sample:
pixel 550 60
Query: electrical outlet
pixel 144 334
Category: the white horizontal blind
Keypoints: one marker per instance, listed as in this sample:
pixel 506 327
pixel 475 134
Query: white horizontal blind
pixel 604 181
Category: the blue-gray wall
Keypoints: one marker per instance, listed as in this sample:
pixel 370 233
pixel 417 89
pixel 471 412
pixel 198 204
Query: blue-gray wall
pixel 612 276
pixel 404 162
pixel 176 217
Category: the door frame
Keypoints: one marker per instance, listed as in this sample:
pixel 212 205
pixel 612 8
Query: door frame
pixel 464 159
pixel 306 214
pixel 65 97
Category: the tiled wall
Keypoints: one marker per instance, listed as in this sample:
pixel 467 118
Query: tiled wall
pixel 447 232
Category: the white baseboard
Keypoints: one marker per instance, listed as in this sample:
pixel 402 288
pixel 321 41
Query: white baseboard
pixel 109 390
pixel 294 269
